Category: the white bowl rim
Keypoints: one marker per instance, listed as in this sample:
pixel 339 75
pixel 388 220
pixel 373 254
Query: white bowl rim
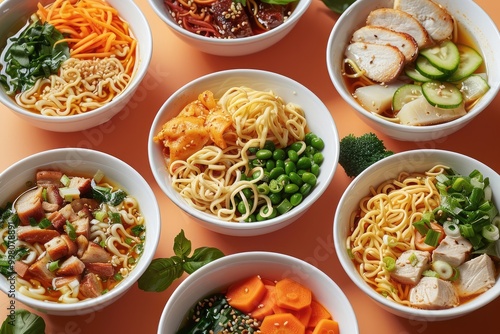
pixel 164 15
pixel 415 313
pixel 345 16
pixel 312 197
pixel 253 257
pixel 94 303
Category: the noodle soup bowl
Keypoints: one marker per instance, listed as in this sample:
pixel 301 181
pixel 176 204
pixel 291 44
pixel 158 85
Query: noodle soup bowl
pixel 14 15
pixel 231 46
pixel 218 275
pixel 84 162
pixel 469 15
pixel 319 121
pixel 389 168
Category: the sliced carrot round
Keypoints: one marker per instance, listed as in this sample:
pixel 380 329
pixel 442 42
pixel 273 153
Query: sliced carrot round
pixel 292 295
pixel 245 295
pixel 282 323
pixel 326 326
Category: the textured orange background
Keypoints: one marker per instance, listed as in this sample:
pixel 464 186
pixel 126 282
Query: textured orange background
pixel 175 63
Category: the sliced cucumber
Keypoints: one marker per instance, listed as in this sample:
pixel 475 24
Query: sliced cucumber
pixel 444 56
pixel 412 73
pixel 405 94
pixel 474 87
pixel 470 60
pixel 442 94
pixel 424 67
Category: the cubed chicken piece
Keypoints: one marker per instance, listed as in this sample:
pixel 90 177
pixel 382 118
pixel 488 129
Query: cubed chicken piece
pixel 410 265
pixel 44 178
pixel 101 269
pixel 56 248
pixel 91 286
pixel 401 21
pixel 41 272
pixel 29 206
pixel 432 293
pixel 434 18
pixel 454 251
pixel 71 266
pixel 32 234
pixel 476 276
pixel 380 35
pixel 95 253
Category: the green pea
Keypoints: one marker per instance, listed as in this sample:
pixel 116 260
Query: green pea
pixel 304 163
pixel 264 154
pixel 280 163
pixel 318 158
pixel 251 218
pixel 253 150
pixel 310 151
pixel 247 192
pixel 275 198
pixel 296 179
pixel 291 188
pixel 308 137
pixel 293 155
pixel 256 174
pixel 309 178
pixel 276 172
pixel 297 146
pixel 270 164
pixel 279 154
pixel 296 199
pixel 290 167
pixel 318 143
pixel 242 208
pixel 265 210
pixel 305 189
pixel 315 169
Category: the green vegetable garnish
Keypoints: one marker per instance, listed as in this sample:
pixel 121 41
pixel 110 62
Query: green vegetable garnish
pixel 338 6
pixel 162 272
pixel 23 322
pixel 32 55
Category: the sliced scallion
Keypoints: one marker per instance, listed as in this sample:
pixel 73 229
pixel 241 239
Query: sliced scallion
pixel 432 237
pixel 491 233
pixel 451 229
pixel 389 263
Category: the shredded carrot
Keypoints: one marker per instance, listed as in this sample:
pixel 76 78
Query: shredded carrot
pixel 93 29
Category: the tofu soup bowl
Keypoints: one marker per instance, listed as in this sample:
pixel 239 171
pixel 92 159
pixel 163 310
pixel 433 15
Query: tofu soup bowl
pixel 263 98
pixel 54 281
pixel 374 104
pixel 232 46
pixel 217 276
pixel 397 238
pixel 73 100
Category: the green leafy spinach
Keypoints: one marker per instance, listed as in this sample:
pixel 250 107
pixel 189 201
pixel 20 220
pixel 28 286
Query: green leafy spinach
pixel 162 272
pixel 23 322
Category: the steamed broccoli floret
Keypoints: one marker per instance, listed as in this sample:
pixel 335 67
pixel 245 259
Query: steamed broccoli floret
pixel 358 153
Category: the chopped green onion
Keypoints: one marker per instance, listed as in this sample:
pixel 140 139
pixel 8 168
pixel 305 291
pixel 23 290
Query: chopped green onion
pixel 390 240
pixel 442 178
pixel 70 230
pixel 44 194
pixel 53 266
pixel 98 176
pixel 430 273
pixel 422 227
pixel 443 268
pixel 451 229
pixel 44 223
pixel 65 180
pixel 284 206
pixel 466 230
pixel 490 232
pixel 432 237
pixel 69 194
pixel 118 277
pixel 100 215
pixel 390 263
pixel 413 259
pixel 114 217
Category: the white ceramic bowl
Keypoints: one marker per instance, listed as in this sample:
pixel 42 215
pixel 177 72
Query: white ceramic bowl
pixel 85 161
pixel 218 275
pixel 411 161
pixel 318 118
pixel 468 14
pixel 14 12
pixel 235 46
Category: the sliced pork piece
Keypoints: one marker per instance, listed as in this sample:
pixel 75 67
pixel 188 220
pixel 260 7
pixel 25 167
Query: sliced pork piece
pixel 44 178
pixel 410 265
pixel 454 251
pixel 381 35
pixel 29 206
pixel 53 196
pixel 33 234
pixel 82 243
pixel 432 293
pixel 83 184
pixel 433 17
pixel 72 247
pixel 21 268
pixel 95 253
pixel 381 63
pixel 476 276
pixel 82 226
pixel 101 269
pixel 57 220
pixel 70 267
pixel 61 281
pixel 398 20
pixel 91 286
pixel 40 271
pixel 56 248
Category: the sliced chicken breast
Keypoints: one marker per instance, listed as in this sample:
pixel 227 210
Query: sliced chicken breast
pixel 434 18
pixel 381 63
pixel 401 21
pixel 381 35
pixel 432 293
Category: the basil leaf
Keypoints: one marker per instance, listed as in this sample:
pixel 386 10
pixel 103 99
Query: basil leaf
pixel 160 274
pixel 24 322
pixel 338 6
pixel 182 246
pixel 278 2
pixel 201 257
